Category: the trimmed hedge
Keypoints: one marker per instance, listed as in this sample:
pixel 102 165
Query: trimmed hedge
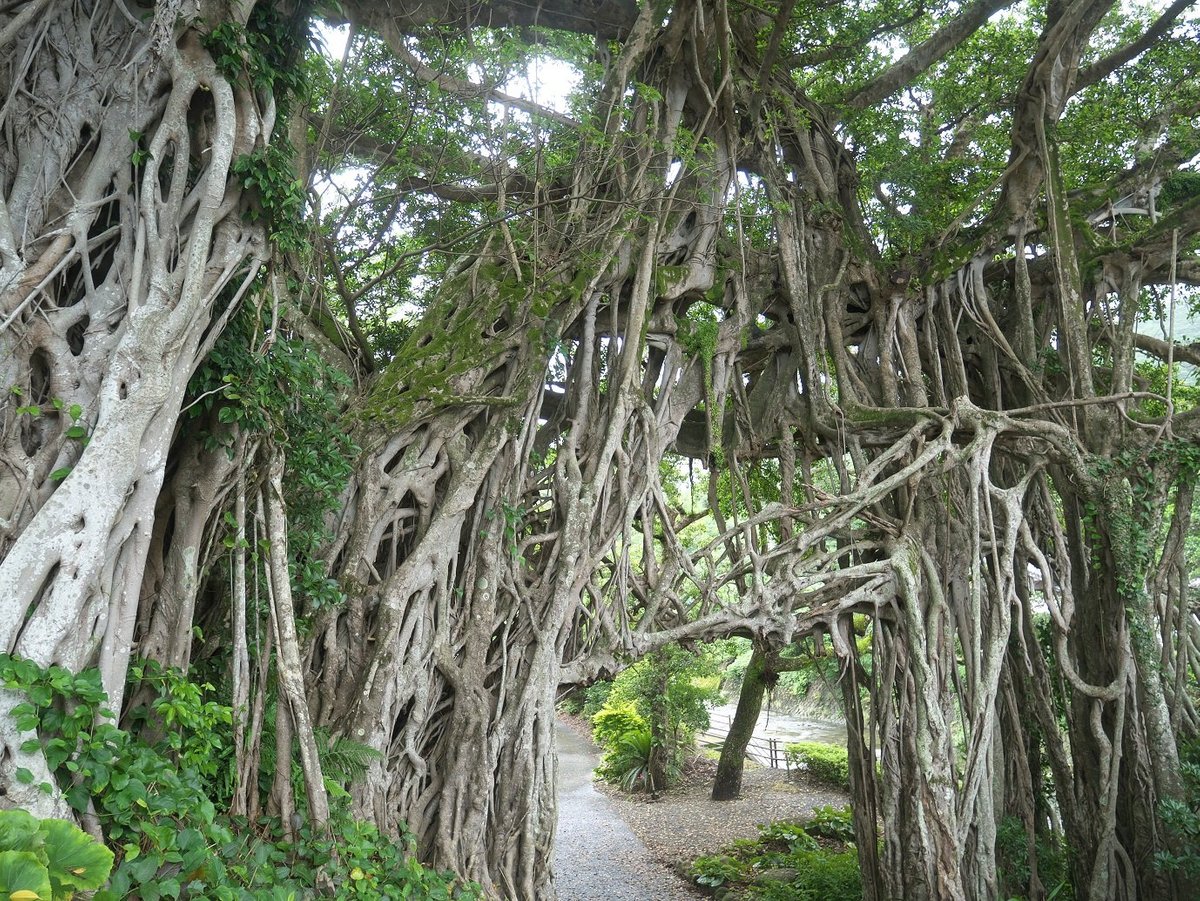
pixel 829 763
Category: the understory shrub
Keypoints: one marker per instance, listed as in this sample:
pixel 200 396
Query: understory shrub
pixel 612 722
pixel 572 702
pixel 829 763
pixel 595 696
pixel 628 763
pixel 1181 816
pixel 831 822
pixel 790 861
pixel 1013 864
pixel 651 714
pixel 161 806
pixel 628 748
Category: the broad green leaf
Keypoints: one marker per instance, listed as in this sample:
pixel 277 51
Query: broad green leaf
pixel 74 857
pixel 18 831
pixel 23 877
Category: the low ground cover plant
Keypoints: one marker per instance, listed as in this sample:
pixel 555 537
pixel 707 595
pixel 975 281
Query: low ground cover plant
pixel 810 860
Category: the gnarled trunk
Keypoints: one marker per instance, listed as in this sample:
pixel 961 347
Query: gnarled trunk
pixel 115 252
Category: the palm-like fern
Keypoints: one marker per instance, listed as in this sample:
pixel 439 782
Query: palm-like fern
pixel 343 760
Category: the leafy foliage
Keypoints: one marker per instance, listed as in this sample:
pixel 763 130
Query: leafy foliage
pixel 283 390
pixel 195 728
pixel 1013 863
pixel 794 835
pixel 343 760
pixel 266 53
pixel 786 862
pixel 657 705
pixel 158 806
pixel 48 860
pixel 832 822
pixel 595 697
pixel 269 174
pixel 829 763
pixel 1181 816
pixel 629 763
pixel 614 720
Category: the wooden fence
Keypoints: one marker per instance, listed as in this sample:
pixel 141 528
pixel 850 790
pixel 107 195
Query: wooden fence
pixel 762 750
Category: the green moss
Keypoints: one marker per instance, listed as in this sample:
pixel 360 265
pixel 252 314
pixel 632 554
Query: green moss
pixel 666 276
pixel 884 417
pixel 470 325
pixel 450 341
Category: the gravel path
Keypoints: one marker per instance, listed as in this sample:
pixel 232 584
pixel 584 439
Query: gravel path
pixel 617 847
pixel 597 857
pixel 684 823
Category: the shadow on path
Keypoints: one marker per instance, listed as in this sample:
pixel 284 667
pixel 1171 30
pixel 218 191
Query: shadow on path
pixel 596 855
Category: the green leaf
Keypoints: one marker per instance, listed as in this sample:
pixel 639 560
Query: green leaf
pixel 18 830
pixel 74 858
pixel 23 877
pixel 78 797
pixel 59 474
pixel 24 776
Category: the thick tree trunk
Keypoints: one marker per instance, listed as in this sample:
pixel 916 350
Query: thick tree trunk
pixel 473 552
pixel 756 681
pixel 111 272
pixel 861 759
pixel 508 528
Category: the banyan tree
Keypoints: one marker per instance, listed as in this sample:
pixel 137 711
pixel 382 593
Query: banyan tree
pixel 882 279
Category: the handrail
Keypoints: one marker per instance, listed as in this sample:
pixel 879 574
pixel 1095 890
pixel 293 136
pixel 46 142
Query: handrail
pixel 770 752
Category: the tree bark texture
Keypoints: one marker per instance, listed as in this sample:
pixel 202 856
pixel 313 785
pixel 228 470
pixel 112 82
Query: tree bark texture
pixel 110 276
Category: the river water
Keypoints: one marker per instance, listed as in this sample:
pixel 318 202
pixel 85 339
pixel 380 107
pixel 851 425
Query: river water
pixel 783 727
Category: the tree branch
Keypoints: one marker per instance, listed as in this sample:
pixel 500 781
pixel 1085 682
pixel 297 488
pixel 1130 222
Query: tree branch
pixel 924 55
pixel 607 19
pixel 1182 353
pixel 469 89
pixel 1102 68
